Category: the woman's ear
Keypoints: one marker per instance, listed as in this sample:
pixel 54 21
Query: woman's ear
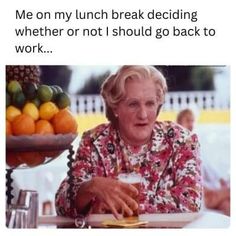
pixel 159 109
pixel 115 111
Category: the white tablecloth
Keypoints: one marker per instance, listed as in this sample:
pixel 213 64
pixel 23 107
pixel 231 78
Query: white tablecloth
pixel 210 219
pixel 205 219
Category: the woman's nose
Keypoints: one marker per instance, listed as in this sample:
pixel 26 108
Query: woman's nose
pixel 142 114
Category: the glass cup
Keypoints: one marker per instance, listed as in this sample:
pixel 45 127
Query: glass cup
pixel 17 217
pixel 135 180
pixel 29 200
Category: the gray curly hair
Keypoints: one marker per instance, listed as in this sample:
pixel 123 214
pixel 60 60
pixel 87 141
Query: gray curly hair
pixel 113 88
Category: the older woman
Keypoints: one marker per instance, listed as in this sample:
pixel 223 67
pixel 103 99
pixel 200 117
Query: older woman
pixel 163 153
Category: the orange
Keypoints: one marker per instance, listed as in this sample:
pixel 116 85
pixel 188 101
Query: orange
pixel 12 112
pixel 8 128
pixel 31 158
pixel 51 154
pixel 31 110
pixel 43 127
pixel 23 124
pixel 64 122
pixel 47 110
pixel 12 159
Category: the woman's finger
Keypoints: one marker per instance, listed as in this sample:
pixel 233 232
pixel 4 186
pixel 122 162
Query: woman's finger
pixel 129 189
pixel 111 205
pixel 123 206
pixel 100 208
pixel 129 201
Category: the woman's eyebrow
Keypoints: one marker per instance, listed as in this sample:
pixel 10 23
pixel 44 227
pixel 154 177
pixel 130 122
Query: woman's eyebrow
pixel 138 99
pixel 131 99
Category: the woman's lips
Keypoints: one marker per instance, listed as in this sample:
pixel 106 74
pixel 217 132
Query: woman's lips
pixel 141 124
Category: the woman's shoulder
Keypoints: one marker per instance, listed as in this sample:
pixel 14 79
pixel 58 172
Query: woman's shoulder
pixel 101 129
pixel 167 125
pixel 174 131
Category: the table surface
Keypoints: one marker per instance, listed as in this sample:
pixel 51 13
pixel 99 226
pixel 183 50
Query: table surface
pixel 204 219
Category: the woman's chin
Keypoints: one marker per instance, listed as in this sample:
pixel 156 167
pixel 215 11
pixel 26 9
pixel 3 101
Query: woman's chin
pixel 143 133
pixel 141 139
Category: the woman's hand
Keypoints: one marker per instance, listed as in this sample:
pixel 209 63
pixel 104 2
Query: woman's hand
pixel 225 207
pixel 115 195
pixel 214 198
pixel 100 208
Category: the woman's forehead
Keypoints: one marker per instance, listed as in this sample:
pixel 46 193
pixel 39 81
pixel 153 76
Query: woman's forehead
pixel 139 85
pixel 140 88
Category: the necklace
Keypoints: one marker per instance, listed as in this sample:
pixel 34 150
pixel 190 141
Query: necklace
pixel 132 155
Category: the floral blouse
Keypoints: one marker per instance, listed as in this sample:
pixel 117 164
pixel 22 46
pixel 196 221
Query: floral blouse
pixel 170 168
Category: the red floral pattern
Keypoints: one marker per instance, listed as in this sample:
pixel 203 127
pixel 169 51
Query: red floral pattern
pixel 170 168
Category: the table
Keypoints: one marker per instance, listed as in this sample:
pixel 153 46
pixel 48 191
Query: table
pixel 204 219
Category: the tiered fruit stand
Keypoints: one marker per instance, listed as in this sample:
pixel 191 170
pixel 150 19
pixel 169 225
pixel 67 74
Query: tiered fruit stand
pixel 43 144
pixel 39 125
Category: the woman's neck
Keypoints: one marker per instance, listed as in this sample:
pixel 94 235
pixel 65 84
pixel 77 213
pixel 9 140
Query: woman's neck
pixel 133 143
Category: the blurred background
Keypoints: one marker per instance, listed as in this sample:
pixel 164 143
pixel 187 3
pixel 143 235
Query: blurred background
pixel 203 89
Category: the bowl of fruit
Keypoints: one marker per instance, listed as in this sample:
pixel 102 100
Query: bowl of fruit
pixel 39 124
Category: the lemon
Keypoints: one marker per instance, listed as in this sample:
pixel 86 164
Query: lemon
pixel 12 112
pixel 44 93
pixel 47 110
pixel 31 110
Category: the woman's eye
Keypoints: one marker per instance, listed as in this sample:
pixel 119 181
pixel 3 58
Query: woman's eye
pixel 133 104
pixel 150 104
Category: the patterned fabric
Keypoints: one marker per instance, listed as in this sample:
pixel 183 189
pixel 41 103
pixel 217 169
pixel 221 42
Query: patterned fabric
pixel 170 168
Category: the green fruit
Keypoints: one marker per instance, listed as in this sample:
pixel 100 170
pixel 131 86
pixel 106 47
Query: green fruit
pixel 14 87
pixel 30 90
pixel 54 90
pixel 36 101
pixel 18 99
pixel 45 93
pixel 8 99
pixel 58 88
pixel 62 100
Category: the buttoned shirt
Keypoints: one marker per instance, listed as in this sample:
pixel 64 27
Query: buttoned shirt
pixel 170 168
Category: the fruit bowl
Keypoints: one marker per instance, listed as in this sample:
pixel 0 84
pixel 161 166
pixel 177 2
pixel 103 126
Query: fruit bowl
pixel 27 151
